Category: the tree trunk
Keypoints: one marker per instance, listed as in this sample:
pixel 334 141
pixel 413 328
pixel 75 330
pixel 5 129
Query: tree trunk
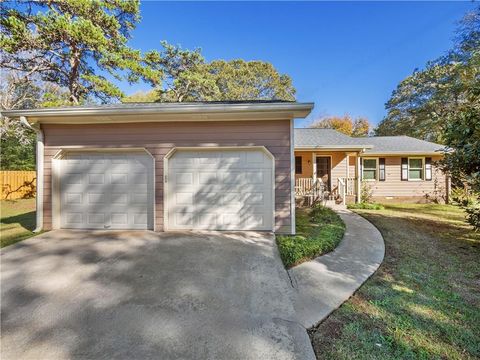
pixel 73 79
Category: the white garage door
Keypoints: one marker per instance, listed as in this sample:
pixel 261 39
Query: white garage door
pixel 106 191
pixel 220 190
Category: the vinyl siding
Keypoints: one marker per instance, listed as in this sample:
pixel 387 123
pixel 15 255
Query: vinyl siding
pixel 160 138
pixel 339 164
pixel 394 187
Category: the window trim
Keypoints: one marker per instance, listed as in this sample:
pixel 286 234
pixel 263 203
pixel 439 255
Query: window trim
pixel 376 168
pixel 422 168
pixel 301 165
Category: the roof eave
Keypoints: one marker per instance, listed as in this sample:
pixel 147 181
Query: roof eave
pixel 407 153
pixel 294 110
pixel 334 147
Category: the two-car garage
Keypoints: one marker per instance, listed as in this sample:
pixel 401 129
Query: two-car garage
pixel 166 166
pixel 214 189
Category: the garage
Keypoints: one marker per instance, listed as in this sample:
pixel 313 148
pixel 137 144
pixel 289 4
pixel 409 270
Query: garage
pixel 220 189
pixel 109 190
pixel 221 165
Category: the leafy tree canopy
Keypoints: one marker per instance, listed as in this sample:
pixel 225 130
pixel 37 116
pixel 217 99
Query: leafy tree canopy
pixel 73 44
pixel 424 104
pixel 189 77
pixel 344 124
pixel 20 92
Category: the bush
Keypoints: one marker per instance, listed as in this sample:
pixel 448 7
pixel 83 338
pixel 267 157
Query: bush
pixel 366 206
pixel 462 196
pixel 473 215
pixel 319 231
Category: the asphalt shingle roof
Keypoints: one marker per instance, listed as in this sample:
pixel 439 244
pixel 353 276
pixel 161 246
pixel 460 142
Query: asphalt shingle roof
pixel 323 138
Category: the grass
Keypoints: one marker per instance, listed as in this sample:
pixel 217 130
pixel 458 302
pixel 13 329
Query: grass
pixel 423 302
pixel 319 230
pixel 17 220
pixel 366 206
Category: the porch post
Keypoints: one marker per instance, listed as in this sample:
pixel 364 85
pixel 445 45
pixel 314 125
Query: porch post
pixel 314 166
pixel 348 165
pixel 358 175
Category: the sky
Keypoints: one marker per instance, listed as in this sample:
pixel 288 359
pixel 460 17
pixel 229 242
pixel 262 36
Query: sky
pixel 346 57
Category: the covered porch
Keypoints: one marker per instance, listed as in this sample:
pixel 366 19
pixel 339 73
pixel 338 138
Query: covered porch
pixel 322 175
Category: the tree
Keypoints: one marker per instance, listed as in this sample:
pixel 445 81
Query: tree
pixel 17 91
pixel 344 124
pixel 425 102
pixel 141 96
pixel 73 44
pixel 361 127
pixel 188 77
pixel 442 103
pixel 250 80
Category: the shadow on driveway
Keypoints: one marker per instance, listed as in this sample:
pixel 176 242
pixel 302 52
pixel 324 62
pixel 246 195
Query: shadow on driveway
pixel 140 295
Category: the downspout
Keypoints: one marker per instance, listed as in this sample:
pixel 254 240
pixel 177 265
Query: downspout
pixel 39 170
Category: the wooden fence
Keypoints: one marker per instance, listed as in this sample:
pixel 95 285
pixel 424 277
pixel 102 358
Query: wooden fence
pixel 17 184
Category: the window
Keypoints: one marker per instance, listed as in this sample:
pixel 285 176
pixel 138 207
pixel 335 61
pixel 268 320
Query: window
pixel 369 169
pixel 415 168
pixel 298 164
pixel 381 169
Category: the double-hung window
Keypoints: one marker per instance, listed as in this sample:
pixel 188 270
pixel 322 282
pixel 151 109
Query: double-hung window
pixel 415 169
pixel 369 171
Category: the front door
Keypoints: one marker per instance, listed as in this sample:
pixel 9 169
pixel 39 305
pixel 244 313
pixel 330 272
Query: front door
pixel 324 170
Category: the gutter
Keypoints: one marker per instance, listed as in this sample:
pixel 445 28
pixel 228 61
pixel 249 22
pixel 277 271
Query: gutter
pixel 39 172
pixel 298 109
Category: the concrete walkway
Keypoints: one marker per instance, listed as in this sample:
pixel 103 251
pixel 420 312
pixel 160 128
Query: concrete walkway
pixel 328 281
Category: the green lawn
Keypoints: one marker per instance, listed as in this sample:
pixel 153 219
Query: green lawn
pixel 319 230
pixel 17 220
pixel 423 302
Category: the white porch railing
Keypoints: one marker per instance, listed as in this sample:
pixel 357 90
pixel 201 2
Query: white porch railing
pixel 309 188
pixel 350 186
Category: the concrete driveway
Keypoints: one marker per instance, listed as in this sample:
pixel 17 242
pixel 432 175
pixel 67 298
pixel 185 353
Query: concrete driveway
pixel 142 295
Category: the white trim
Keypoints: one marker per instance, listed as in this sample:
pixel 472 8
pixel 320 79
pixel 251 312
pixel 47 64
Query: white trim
pixel 292 178
pixel 358 173
pixel 315 156
pixel 173 150
pixel 423 168
pixel 82 148
pixel 57 173
pixel 406 154
pixel 39 168
pixel 376 168
pixel 331 147
pixel 202 111
pixel 347 156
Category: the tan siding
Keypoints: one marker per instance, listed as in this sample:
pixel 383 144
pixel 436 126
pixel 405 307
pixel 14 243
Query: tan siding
pixel 394 187
pixel 160 138
pixel 339 164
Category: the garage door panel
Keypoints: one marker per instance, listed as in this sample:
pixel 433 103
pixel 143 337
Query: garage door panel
pixel 220 192
pixel 106 191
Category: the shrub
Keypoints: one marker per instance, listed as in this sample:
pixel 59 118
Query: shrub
pixel 473 215
pixel 462 196
pixel 319 231
pixel 366 192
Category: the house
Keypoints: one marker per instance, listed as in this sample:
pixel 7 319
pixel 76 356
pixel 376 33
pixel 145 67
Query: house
pixel 170 166
pixel 210 166
pixel 389 168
